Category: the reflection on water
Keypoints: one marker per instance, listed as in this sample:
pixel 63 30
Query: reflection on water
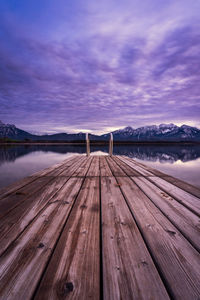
pixel 18 161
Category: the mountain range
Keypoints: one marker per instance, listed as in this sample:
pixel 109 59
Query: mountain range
pixel 153 133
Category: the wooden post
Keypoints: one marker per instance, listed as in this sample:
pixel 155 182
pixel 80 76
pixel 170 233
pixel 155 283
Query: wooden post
pixel 111 145
pixel 87 145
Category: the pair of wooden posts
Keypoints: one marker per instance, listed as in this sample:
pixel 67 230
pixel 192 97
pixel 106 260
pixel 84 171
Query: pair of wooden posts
pixel 110 145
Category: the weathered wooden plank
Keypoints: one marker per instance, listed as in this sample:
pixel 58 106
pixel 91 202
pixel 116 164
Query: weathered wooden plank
pixel 13 188
pixel 175 181
pixel 82 170
pixel 17 198
pixel 136 167
pixel 12 224
pixel 176 259
pixel 183 185
pixel 190 201
pixel 127 169
pixel 116 170
pixel 128 270
pixel 68 167
pixel 94 167
pixel 49 171
pixel 74 272
pixel 186 221
pixel 22 265
pixel 69 171
pixel 104 167
pixel 148 168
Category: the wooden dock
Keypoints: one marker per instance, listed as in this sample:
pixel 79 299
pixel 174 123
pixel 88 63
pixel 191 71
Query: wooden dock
pixel 100 227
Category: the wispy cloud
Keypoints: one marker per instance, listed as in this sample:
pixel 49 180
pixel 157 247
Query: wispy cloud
pixel 96 66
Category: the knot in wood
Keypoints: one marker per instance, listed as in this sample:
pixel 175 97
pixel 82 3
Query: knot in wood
pixel 68 287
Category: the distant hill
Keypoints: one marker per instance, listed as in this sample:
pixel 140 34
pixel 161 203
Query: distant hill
pixel 153 133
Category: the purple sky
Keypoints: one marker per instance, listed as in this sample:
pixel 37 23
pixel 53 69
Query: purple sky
pixel 85 65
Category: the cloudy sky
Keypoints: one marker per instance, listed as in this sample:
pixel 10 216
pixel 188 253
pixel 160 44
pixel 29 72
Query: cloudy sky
pixel 87 65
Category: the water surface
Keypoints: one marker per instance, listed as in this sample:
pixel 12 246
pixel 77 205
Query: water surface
pixel 18 161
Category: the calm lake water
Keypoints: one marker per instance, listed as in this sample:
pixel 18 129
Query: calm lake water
pixel 18 161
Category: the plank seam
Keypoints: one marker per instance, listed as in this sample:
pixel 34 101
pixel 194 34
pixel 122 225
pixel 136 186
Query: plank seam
pixel 54 248
pixel 35 217
pixel 168 193
pixel 167 217
pixel 168 289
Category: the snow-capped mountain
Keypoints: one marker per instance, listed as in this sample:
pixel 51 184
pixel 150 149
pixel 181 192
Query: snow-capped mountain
pixel 162 132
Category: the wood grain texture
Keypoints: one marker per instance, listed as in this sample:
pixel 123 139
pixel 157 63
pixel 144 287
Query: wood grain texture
pixel 50 242
pixel 13 188
pixel 183 185
pixel 116 170
pixel 69 170
pixel 185 220
pixel 17 198
pixel 83 168
pixel 132 164
pixel 104 167
pixel 74 271
pixel 16 221
pixel 177 260
pixel 128 270
pixel 190 201
pixel 94 167
pixel 24 261
pixel 127 169
pixel 175 181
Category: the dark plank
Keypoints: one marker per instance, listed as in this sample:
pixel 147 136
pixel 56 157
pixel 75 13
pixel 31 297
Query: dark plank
pixel 24 261
pixel 104 167
pixel 73 272
pixel 186 221
pixel 128 270
pixel 176 259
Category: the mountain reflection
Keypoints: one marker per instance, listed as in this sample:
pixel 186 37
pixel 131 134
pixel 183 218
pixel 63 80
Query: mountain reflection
pixel 166 153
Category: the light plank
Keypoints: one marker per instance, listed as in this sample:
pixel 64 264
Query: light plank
pixel 136 167
pixel 151 172
pixel 74 269
pixel 183 185
pixel 189 200
pixel 128 270
pixel 23 263
pixel 186 221
pixel 177 260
